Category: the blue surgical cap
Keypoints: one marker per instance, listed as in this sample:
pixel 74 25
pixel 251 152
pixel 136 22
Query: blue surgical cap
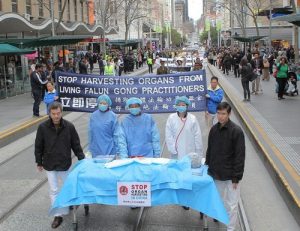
pixel 104 98
pixel 183 99
pixel 133 100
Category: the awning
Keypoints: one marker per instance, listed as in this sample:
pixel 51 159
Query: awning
pixel 121 42
pixel 282 11
pixel 7 49
pixel 248 39
pixel 291 18
pixel 47 41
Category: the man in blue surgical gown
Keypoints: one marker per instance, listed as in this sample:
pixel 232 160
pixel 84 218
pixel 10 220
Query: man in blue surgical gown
pixel 139 135
pixel 103 129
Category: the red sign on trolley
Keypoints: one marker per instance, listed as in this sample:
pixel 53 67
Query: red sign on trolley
pixel 137 194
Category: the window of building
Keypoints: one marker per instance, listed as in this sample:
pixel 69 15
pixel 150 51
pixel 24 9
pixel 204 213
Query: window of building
pixel 82 17
pixel 59 7
pixel 41 8
pixel 14 6
pixel 69 11
pixel 75 9
pixel 28 7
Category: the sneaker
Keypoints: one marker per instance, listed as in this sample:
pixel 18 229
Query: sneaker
pixel 186 208
pixel 56 222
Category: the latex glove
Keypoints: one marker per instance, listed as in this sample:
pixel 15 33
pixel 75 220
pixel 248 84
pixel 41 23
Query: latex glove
pixel 88 155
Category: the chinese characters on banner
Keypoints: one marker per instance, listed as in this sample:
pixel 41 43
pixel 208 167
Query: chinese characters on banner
pixel 79 92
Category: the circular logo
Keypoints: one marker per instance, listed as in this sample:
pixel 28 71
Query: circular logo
pixel 123 190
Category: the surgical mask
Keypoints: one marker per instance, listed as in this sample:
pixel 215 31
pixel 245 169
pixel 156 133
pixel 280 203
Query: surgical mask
pixel 135 111
pixel 181 109
pixel 103 107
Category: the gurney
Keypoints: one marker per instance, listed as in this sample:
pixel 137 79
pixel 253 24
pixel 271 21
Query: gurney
pixel 173 182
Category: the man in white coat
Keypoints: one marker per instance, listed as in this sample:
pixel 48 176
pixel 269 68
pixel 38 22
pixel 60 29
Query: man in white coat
pixel 183 133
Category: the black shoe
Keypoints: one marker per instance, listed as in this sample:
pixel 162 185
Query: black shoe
pixel 201 215
pixel 216 221
pixel 134 208
pixel 36 115
pixel 279 98
pixel 186 208
pixel 56 222
pixel 86 210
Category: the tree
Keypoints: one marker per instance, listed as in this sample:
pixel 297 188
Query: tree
pixel 105 10
pixel 132 10
pixel 213 36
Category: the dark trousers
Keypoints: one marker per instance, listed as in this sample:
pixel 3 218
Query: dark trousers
pixel 281 84
pixel 246 89
pixel 101 70
pixel 37 96
pixel 120 70
pixel 150 68
pixel 236 71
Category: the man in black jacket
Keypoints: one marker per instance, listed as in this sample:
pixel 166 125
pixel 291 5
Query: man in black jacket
pixel 257 66
pixel 225 158
pixel 54 141
pixel 37 87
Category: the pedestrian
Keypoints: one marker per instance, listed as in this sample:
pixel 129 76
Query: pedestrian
pixel 83 67
pixel 37 88
pixel 54 141
pixel 101 64
pixel 162 70
pixel 282 76
pixel 50 96
pixel 139 135
pixel 120 65
pixel 109 69
pixel 198 65
pixel 214 96
pixel 150 64
pixel 245 69
pixel 183 133
pixel 257 66
pixel 265 70
pixel 225 158
pixel 103 129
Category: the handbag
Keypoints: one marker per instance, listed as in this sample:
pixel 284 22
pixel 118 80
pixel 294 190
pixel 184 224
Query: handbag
pixel 252 76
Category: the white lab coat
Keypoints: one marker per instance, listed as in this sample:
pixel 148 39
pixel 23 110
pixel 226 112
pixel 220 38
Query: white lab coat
pixel 183 136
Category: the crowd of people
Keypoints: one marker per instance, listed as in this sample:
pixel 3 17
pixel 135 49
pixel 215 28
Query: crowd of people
pixel 278 63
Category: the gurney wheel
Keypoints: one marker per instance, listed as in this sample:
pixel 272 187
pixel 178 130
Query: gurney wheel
pixel 75 226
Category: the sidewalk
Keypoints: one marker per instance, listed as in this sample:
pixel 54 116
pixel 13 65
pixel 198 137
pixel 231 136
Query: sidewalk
pixel 274 126
pixel 17 111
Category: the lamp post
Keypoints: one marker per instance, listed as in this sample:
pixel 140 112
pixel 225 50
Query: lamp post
pixel 270 28
pixel 54 52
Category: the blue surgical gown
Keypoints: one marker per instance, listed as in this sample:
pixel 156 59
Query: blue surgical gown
pixel 139 136
pixel 103 133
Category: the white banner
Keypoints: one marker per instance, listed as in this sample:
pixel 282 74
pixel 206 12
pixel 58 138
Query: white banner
pixel 137 194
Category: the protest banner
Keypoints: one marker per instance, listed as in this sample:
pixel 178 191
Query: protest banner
pixel 78 92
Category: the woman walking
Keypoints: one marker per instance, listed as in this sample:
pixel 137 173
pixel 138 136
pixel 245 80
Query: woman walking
pixel 246 70
pixel 282 76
